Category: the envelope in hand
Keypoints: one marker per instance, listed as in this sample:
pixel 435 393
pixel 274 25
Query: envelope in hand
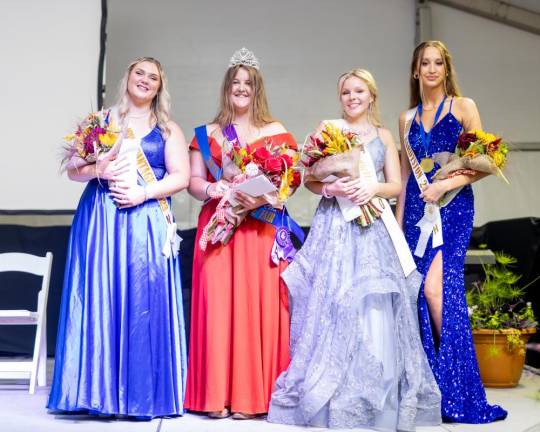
pixel 254 186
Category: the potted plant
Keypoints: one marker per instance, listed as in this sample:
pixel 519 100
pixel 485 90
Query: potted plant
pixel 501 322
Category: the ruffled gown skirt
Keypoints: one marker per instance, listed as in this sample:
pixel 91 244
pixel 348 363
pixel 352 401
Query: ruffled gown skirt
pixel 356 355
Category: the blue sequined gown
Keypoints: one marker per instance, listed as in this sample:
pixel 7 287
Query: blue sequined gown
pixel 120 345
pixel 356 353
pixel 454 361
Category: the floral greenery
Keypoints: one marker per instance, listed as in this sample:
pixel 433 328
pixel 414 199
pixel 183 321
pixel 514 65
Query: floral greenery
pixel 497 303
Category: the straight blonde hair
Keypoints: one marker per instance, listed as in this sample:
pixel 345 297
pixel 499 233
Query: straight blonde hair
pixel 374 115
pixel 161 104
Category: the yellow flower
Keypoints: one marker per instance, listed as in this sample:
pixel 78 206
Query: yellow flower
pixel 69 138
pixel 498 159
pixel 107 139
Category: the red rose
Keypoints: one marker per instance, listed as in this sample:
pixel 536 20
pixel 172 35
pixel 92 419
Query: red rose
pixel 261 154
pixel 465 139
pixel 297 179
pixel 286 160
pixel 272 165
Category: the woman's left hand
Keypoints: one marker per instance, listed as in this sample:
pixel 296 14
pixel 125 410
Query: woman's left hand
pixel 248 202
pixel 127 196
pixel 364 193
pixel 433 192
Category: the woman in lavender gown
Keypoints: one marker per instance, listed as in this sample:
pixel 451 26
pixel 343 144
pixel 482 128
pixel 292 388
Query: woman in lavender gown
pixel 356 355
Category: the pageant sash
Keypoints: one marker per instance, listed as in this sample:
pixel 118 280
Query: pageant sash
pixel 283 247
pixel 204 147
pixel 172 241
pixel 368 172
pixel 430 223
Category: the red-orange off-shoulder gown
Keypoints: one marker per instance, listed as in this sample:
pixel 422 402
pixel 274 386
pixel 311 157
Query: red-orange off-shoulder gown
pixel 239 340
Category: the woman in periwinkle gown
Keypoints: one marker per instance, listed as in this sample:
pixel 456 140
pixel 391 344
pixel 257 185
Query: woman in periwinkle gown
pixel 356 355
pixel 433 123
pixel 121 344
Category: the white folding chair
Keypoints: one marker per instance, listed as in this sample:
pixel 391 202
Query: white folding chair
pixel 36 369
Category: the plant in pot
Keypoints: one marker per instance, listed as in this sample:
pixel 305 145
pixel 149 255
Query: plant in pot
pixel 501 321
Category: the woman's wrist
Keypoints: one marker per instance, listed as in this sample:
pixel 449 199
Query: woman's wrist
pixel 325 192
pixel 206 189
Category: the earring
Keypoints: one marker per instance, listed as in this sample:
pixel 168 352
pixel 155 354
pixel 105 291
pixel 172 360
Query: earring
pixel 415 76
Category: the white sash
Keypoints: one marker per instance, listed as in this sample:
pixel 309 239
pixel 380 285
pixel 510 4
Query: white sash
pixel 430 223
pixel 369 174
pixel 142 167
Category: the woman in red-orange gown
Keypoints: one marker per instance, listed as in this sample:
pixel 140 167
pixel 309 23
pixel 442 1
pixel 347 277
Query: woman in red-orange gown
pixel 239 340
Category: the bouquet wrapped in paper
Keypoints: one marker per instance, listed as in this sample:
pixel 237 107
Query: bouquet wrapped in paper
pixel 334 153
pixel 476 151
pixel 268 171
pixel 93 138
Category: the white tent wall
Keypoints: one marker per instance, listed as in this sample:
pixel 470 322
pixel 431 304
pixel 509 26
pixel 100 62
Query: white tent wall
pixel 49 54
pixel 303 47
pixel 498 66
pixel 51 63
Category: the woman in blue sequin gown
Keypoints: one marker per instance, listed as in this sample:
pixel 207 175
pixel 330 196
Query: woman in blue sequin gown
pixel 356 354
pixel 120 345
pixel 442 308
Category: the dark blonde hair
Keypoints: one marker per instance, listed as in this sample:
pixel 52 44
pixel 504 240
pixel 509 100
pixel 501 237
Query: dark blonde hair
pixel 450 83
pixel 161 104
pixel 374 115
pixel 260 114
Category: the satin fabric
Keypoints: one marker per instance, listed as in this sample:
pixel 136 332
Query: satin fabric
pixel 239 340
pixel 121 339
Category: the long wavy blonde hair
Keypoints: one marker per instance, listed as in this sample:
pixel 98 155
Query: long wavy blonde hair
pixel 451 87
pixel 161 104
pixel 259 112
pixel 374 115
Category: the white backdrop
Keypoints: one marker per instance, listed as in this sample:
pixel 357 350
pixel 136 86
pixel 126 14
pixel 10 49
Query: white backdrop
pixel 498 66
pixel 49 54
pixel 303 45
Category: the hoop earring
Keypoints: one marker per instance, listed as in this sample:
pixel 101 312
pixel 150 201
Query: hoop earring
pixel 415 76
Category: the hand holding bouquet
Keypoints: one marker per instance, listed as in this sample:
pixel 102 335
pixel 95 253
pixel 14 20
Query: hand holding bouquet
pixel 338 153
pixel 94 137
pixel 476 151
pixel 240 165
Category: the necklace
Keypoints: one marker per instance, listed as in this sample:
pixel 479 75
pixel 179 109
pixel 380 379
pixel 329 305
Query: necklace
pixel 145 114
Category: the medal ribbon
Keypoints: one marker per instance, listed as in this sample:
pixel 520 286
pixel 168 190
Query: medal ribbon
pixel 426 137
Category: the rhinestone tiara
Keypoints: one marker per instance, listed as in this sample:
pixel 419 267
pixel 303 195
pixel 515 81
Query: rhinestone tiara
pixel 244 57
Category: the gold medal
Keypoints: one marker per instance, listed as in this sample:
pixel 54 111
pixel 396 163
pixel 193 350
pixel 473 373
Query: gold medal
pixel 427 164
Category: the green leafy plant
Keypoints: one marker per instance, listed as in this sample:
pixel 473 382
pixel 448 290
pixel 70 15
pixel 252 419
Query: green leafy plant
pixel 497 302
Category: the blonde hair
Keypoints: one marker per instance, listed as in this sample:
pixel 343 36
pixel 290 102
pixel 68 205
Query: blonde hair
pixel 161 104
pixel 374 115
pixel 451 87
pixel 260 114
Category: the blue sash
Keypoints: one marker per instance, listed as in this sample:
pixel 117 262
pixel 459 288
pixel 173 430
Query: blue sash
pixel 279 219
pixel 204 147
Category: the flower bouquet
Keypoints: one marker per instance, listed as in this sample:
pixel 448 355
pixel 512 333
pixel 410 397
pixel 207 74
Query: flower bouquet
pixel 95 136
pixel 269 171
pixel 476 151
pixel 334 153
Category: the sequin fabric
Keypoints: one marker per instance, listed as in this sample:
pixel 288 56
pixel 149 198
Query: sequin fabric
pixel 356 354
pixel 454 361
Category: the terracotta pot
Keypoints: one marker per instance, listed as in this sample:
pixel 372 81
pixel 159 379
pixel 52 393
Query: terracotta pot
pixel 499 366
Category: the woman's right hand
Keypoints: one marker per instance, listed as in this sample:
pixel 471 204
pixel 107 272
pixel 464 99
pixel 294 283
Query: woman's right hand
pixel 342 187
pixel 109 168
